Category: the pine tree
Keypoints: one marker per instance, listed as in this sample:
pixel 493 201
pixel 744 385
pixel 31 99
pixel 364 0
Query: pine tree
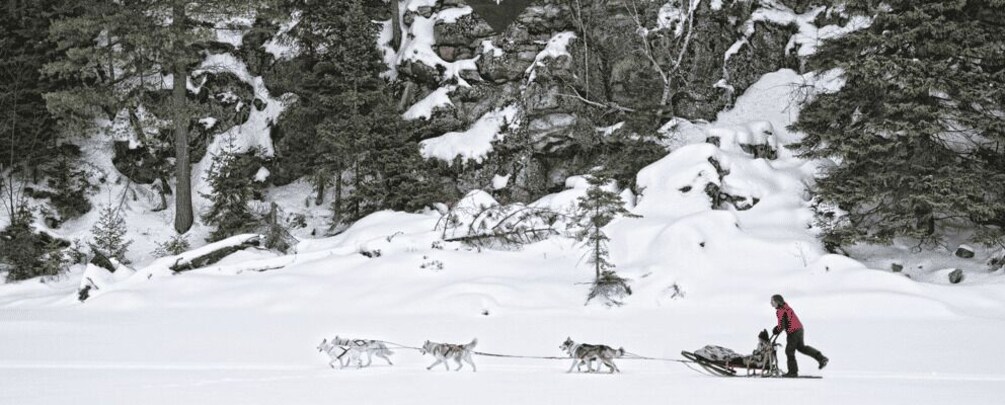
pixel 595 210
pixel 27 129
pixel 346 112
pixel 121 53
pixel 231 176
pixel 109 235
pixel 917 128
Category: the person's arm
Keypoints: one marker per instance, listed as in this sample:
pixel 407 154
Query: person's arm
pixel 783 321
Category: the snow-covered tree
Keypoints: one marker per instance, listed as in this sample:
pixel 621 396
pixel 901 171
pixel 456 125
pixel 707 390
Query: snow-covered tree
pixel 917 126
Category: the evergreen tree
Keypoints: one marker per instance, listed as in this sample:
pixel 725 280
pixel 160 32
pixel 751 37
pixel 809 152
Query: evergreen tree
pixel 109 235
pixel 176 245
pixel 29 253
pixel 917 129
pixel 122 52
pixel 27 129
pixel 595 210
pixel 231 176
pixel 346 112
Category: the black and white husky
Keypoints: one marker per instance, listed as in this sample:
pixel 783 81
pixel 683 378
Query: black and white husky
pixel 348 351
pixel 583 353
pixel 444 351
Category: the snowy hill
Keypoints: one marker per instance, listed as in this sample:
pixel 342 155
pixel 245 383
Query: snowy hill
pixel 725 220
pixel 230 334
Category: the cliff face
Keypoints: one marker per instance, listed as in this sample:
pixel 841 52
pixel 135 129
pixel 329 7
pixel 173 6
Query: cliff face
pixel 572 66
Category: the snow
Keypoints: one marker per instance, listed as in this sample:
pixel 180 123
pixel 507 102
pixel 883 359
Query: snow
pixel 244 330
pixel 609 130
pixel 489 47
pixel 809 35
pixel 262 174
pixel 500 182
pixel 451 15
pixel 281 46
pixel 556 47
pixel 672 15
pixel 424 108
pixel 418 40
pixel 207 122
pixel 474 143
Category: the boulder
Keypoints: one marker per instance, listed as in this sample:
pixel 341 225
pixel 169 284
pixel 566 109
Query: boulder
pixel 965 251
pixel 956 276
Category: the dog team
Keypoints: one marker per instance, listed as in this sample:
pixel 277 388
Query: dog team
pixel 350 351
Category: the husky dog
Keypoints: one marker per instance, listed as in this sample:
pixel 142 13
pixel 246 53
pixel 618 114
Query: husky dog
pixel 763 358
pixel 583 353
pixel 444 351
pixel 334 352
pixel 356 347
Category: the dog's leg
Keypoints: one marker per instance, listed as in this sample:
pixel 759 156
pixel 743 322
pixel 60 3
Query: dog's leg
pixel 438 361
pixel 471 362
pixel 610 365
pixel 369 358
pixel 575 363
pixel 459 364
pixel 384 356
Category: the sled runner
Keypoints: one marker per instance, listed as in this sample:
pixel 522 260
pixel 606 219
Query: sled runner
pixel 721 361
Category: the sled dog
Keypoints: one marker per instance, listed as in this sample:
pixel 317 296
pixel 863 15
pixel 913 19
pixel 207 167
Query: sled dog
pixel 763 358
pixel 357 347
pixel 444 351
pixel 583 353
pixel 334 352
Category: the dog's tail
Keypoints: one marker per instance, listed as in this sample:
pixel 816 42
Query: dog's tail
pixel 471 345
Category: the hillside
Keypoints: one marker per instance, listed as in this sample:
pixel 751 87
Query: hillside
pixel 458 213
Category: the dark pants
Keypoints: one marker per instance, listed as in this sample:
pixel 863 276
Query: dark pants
pixel 794 342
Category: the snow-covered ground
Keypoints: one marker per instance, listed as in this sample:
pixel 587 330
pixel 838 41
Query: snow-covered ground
pixel 230 334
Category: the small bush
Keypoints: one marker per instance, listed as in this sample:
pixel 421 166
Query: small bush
pixel 178 244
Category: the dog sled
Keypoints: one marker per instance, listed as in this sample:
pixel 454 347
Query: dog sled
pixel 724 362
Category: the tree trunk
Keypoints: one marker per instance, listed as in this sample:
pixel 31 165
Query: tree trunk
pixel 395 24
pixel 183 170
pixel 320 198
pixel 337 204
pixel 596 254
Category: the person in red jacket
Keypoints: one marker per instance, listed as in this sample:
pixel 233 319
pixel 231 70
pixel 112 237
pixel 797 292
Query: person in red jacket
pixel 789 322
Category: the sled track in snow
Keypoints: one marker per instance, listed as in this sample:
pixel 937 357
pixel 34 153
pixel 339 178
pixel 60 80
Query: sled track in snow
pixel 836 375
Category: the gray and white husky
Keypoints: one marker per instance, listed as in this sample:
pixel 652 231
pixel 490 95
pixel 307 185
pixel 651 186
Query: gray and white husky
pixel 371 347
pixel 444 351
pixel 583 353
pixel 334 352
pixel 348 351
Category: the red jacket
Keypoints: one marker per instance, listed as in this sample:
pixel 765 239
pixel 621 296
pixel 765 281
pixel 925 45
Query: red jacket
pixel 787 320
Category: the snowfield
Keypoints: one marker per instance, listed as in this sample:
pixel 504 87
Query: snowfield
pixel 232 333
